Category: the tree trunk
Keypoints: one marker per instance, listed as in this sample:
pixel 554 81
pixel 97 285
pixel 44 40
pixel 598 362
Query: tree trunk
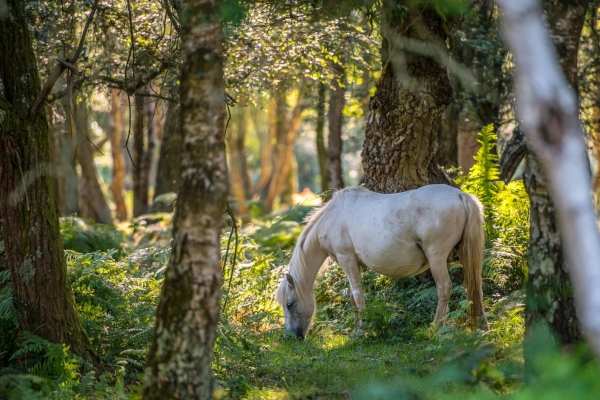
pixel 447 134
pixel 321 149
pixel 549 111
pixel 140 177
pixel 412 93
pixel 58 179
pixel 549 293
pixel 240 179
pixel 169 160
pixel 148 158
pixel 287 127
pixel 179 362
pixel 33 249
pixel 266 150
pixel 65 131
pixel 91 198
pixel 334 145
pixel 118 172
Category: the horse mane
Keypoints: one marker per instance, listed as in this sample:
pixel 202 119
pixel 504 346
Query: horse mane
pixel 298 269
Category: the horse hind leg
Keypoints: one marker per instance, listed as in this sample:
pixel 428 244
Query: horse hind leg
pixel 443 284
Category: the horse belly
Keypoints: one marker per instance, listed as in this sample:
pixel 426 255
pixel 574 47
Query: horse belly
pixel 397 264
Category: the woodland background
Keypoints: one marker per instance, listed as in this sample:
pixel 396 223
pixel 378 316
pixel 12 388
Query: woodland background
pixel 313 100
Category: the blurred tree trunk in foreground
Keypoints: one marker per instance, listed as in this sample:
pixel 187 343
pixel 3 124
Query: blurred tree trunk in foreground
pixel 179 361
pixel 33 249
pixel 91 198
pixel 549 111
pixel 117 186
pixel 169 159
pixel 334 145
pixel 549 293
pixel 412 93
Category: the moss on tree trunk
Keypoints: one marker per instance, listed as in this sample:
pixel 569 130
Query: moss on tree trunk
pixel 33 249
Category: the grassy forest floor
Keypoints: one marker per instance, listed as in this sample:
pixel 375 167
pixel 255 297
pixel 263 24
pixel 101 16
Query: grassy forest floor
pixel 116 275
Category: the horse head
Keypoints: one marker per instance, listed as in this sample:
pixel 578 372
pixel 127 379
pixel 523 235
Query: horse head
pixel 298 308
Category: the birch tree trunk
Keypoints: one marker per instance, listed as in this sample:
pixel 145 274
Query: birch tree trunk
pixel 549 295
pixel 179 362
pixel 412 93
pixel 33 249
pixel 549 111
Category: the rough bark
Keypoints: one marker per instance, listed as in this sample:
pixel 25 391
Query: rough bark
pixel 447 137
pixel 33 249
pixel 91 198
pixel 118 171
pixel 140 177
pixel 167 178
pixel 321 149
pixel 550 299
pixel 334 145
pixel 411 95
pixel 179 362
pixel 548 108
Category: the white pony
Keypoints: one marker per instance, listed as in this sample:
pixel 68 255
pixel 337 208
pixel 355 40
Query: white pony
pixel 397 235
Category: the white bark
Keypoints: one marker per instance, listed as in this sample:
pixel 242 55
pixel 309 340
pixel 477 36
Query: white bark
pixel 548 108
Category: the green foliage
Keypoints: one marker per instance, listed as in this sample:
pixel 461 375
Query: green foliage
pixel 506 211
pixel 86 237
pixel 117 302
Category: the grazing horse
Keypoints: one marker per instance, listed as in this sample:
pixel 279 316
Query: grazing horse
pixel 397 235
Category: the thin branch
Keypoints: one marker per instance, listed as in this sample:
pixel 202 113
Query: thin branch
pixel 59 68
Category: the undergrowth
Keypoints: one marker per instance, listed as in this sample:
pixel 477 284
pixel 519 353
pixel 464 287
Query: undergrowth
pixel 116 277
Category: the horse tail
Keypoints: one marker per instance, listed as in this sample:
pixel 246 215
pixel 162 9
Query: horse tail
pixel 470 253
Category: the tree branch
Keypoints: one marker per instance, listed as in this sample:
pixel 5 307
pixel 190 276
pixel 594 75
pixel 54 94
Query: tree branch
pixel 548 108
pixel 512 155
pixel 60 66
pixel 131 89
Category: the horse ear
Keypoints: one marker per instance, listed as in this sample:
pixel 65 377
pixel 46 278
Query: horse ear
pixel 289 280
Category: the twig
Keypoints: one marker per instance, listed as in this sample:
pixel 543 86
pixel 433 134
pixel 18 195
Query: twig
pixel 59 68
pixel 234 229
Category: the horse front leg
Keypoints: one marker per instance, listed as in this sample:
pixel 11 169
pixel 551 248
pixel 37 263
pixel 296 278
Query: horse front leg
pixel 352 270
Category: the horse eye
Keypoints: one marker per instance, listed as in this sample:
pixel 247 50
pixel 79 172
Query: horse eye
pixel 290 304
